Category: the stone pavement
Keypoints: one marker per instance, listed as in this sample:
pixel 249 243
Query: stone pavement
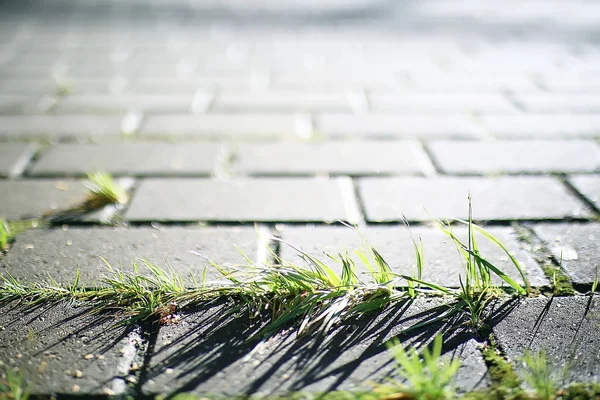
pixel 295 116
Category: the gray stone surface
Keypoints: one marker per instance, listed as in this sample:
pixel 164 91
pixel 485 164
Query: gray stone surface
pixel 501 198
pixel 13 104
pixel 575 103
pixel 130 158
pixel 14 157
pixel 53 126
pixel 299 199
pixel 36 254
pixel 33 198
pixel 340 157
pixel 518 156
pixel 392 125
pixel 551 125
pixel 577 245
pixel 63 349
pixel 207 353
pixel 161 104
pixel 589 186
pixel 565 327
pixel 221 125
pixel 443 264
pixel 281 101
pixel 441 103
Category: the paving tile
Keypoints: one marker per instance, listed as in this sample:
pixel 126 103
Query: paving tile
pixel 500 198
pixel 541 126
pixel 344 157
pixel 47 86
pixel 518 156
pixel 565 327
pixel 281 101
pixel 576 103
pixel 129 158
pixel 56 126
pixel 38 253
pixel 396 126
pixel 442 262
pixel 161 104
pixel 14 157
pixel 208 352
pixel 33 198
pixel 249 200
pixel 577 245
pixel 221 125
pixel 589 186
pixel 408 103
pixel 332 79
pixel 64 349
pixel 13 104
pixel 464 83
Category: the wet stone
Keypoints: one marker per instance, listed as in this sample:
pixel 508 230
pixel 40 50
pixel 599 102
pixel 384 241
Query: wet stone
pixel 59 348
pixel 577 246
pixel 500 198
pixel 36 254
pixel 565 327
pixel 443 264
pixel 208 352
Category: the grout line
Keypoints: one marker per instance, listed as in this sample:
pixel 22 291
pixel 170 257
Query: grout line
pixel 201 102
pixel 223 164
pixel 426 160
pixel 350 200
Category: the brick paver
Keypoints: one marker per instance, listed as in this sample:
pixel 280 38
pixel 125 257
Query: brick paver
pixel 274 199
pixel 575 246
pixel 340 158
pixel 589 186
pixel 292 115
pixel 131 158
pixel 14 157
pixel 500 198
pixel 442 262
pixel 519 156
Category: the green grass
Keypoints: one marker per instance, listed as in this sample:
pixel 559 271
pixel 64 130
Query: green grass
pixel 103 191
pixel 427 375
pixel 14 385
pixel 540 376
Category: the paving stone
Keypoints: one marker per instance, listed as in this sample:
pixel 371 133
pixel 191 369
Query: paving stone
pixel 281 101
pixel 443 264
pixel 577 103
pixel 67 350
pixel 46 86
pixel 577 245
pixel 333 79
pixel 500 198
pixel 553 125
pixel 208 352
pixel 221 125
pixel 59 125
pixel 344 157
pixel 250 200
pixel 13 104
pixel 565 327
pixel 161 104
pixel 589 186
pixel 14 157
pixel 464 83
pixel 440 103
pixel 33 198
pixel 396 126
pixel 518 156
pixel 38 253
pixel 129 158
